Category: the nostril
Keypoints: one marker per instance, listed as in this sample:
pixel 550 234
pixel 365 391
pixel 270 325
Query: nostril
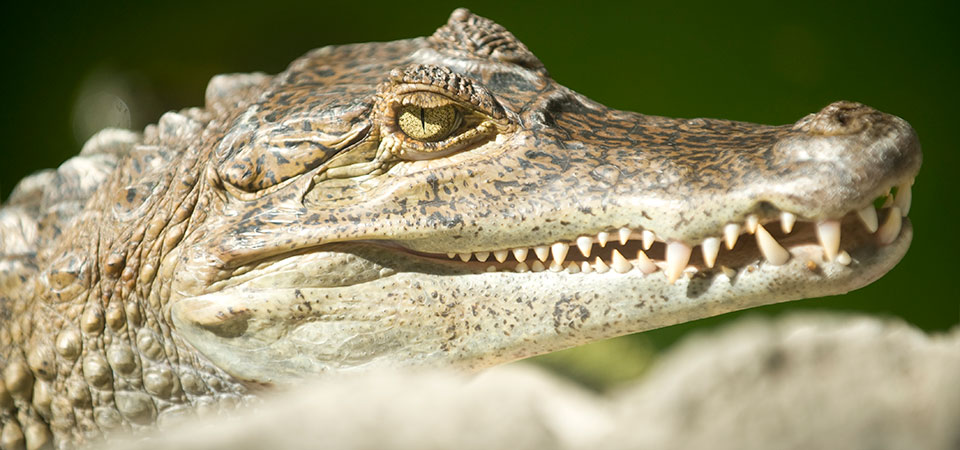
pixel 838 118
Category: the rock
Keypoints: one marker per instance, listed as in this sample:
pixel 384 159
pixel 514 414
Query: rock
pixel 809 381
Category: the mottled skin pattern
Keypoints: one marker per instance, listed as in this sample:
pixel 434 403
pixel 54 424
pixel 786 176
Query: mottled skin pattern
pixel 290 228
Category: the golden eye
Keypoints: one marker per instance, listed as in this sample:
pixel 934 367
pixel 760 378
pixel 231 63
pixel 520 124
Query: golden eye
pixel 429 124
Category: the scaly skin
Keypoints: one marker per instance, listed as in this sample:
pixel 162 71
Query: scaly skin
pixel 293 227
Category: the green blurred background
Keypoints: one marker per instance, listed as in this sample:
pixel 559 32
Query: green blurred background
pixel 69 69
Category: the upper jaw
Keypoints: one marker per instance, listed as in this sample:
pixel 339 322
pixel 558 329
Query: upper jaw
pixel 816 172
pixel 528 192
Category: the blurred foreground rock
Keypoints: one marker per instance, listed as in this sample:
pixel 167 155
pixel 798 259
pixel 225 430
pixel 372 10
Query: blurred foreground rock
pixel 796 383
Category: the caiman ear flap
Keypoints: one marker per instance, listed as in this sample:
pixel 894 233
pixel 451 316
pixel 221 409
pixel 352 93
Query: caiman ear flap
pixel 263 150
pixel 470 35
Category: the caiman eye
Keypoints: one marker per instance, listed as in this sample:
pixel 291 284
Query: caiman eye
pixel 429 124
pixel 428 112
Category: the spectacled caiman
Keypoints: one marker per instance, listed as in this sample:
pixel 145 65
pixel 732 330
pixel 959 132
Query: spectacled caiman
pixel 423 202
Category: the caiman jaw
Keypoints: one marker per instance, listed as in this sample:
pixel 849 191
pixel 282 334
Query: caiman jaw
pixel 626 249
pixel 519 218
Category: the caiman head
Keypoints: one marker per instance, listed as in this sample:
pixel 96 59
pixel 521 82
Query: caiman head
pixel 442 200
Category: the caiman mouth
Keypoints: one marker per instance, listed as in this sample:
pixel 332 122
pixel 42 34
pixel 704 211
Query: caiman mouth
pixel 780 237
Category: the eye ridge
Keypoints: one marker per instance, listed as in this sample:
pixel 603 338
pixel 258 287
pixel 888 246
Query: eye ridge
pixel 429 124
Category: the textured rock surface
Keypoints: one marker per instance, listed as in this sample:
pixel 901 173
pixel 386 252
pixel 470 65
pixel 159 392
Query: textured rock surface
pixel 801 382
pixel 798 383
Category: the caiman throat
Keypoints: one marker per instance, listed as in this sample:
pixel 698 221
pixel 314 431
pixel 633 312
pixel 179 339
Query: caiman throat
pixel 423 202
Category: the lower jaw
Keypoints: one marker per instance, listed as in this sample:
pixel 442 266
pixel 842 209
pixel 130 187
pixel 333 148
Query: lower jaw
pixel 415 311
pixel 618 304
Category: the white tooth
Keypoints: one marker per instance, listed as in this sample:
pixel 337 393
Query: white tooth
pixel 891 226
pixel 585 267
pixel 451 255
pixel 491 268
pixel 751 223
pixel 522 267
pixel 620 264
pixel 555 266
pixel 501 255
pixel 584 243
pixel 678 255
pixel 648 239
pixel 542 252
pixel 869 217
pixel 730 273
pixel 624 235
pixel 904 197
pixel 786 221
pixel 731 232
pixel 520 254
pixel 559 251
pixel 465 256
pixel 644 263
pixel 828 232
pixel 844 258
pixel 771 249
pixel 537 266
pixel 573 267
pixel 602 238
pixel 710 247
pixel 482 256
pixel 600 266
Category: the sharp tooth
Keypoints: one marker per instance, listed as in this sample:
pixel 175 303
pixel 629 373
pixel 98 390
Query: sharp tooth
pixel 678 255
pixel 751 223
pixel 555 266
pixel 482 256
pixel 602 238
pixel 710 247
pixel 501 255
pixel 624 235
pixel 730 273
pixel 844 258
pixel 585 267
pixel 620 264
pixel 904 197
pixel 786 221
pixel 542 252
pixel 451 255
pixel 868 216
pixel 573 267
pixel 600 266
pixel 537 266
pixel 771 249
pixel 584 243
pixel 559 251
pixel 491 268
pixel 644 263
pixel 465 256
pixel 731 232
pixel 521 267
pixel 891 226
pixel 520 254
pixel 648 239
pixel 828 232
